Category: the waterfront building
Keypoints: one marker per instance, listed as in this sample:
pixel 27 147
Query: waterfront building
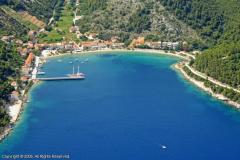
pixel 14 96
pixel 154 45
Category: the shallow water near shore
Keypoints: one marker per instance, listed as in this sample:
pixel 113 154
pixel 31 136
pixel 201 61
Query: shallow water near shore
pixel 128 107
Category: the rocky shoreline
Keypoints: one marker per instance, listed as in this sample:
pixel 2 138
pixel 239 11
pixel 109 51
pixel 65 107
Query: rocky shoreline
pixel 201 85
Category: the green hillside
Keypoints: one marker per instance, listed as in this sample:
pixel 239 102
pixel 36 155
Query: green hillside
pixel 221 62
pixel 10 64
pixel 216 21
pixel 19 17
pixel 60 31
pixel 42 9
pixel 128 19
pixel 10 26
pixel 13 23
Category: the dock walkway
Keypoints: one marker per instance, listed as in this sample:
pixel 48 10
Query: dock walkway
pixel 60 78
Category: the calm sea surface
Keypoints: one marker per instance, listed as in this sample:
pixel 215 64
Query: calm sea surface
pixel 128 108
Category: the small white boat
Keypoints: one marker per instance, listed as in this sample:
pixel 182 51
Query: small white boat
pixel 40 73
pixel 59 60
pixel 82 62
pixel 70 62
pixel 86 60
pixel 163 146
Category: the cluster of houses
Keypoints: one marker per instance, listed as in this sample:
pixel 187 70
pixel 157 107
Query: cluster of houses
pixel 28 48
pixel 26 70
pixel 140 41
pixel 88 35
pixel 98 45
pixel 25 50
pixel 164 45
pixel 83 46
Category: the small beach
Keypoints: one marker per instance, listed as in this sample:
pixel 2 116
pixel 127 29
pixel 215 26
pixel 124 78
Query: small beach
pixel 104 51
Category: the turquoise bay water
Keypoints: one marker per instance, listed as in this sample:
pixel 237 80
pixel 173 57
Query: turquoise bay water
pixel 126 109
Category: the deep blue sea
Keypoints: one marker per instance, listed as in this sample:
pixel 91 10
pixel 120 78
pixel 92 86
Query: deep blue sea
pixel 128 108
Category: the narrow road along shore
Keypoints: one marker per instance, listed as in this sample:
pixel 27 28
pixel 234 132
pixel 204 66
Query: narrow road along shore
pixel 202 75
pixel 201 85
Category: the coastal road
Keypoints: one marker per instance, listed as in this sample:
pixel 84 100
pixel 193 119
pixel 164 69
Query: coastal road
pixel 202 75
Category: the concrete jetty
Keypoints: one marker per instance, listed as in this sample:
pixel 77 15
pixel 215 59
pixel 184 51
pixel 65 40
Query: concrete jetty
pixel 61 78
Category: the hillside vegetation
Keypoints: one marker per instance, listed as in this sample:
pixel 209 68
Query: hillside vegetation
pixel 131 18
pixel 42 9
pixel 10 65
pixel 28 20
pixel 221 62
pixel 10 26
pixel 17 17
pixel 60 30
pixel 217 21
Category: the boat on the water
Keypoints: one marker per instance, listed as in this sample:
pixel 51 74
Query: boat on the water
pixel 76 75
pixel 41 73
pixel 163 146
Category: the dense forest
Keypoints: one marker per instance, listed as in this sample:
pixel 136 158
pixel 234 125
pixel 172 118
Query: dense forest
pixel 216 21
pixel 89 6
pixel 221 62
pixel 10 65
pixel 231 94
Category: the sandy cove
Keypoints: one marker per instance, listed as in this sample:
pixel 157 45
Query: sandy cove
pixel 201 85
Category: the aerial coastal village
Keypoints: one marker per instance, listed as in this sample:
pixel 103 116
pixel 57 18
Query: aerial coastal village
pixel 166 41
pixel 35 54
pixel 42 43
pixel 31 49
